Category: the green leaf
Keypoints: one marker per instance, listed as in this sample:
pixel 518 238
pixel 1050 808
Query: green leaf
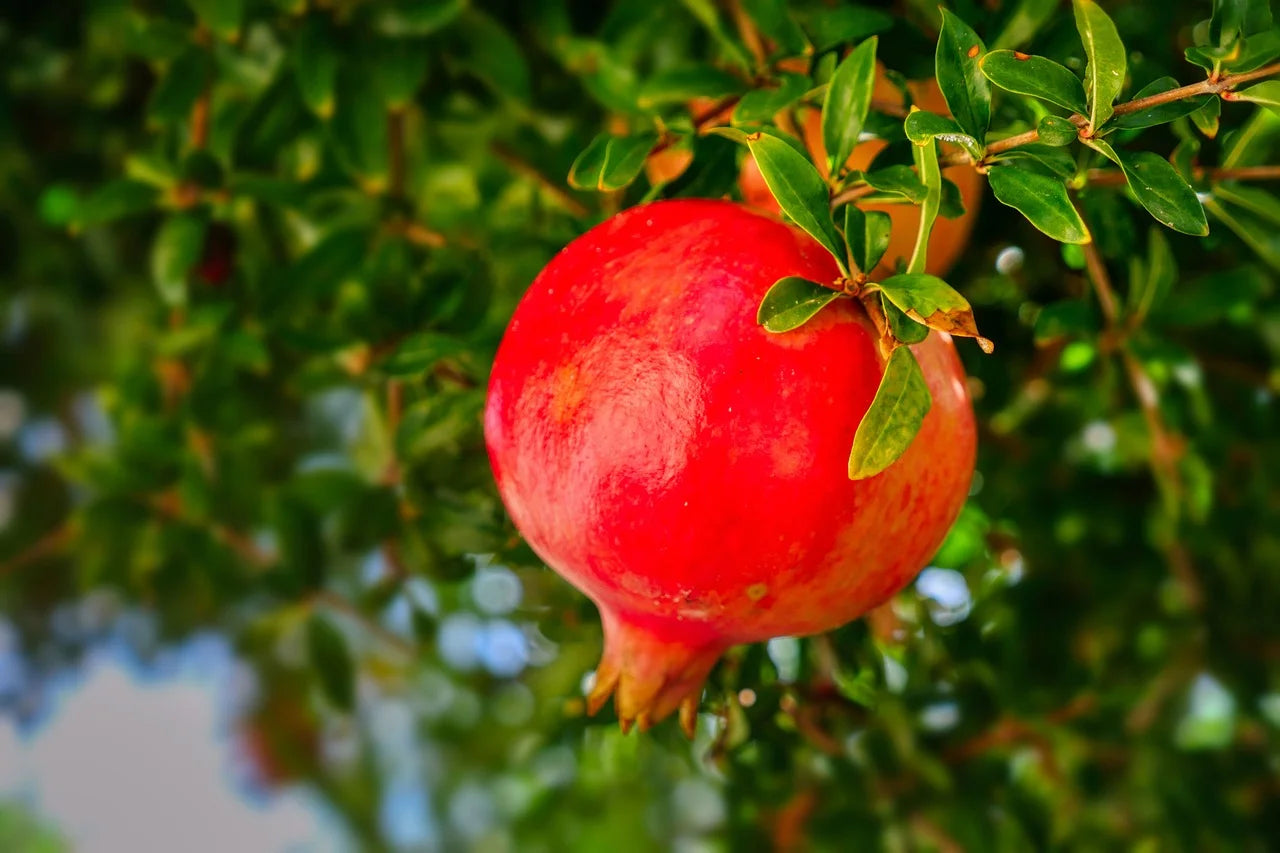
pixel 894 418
pixel 844 109
pixel 116 200
pixel 331 659
pixel 929 300
pixel 221 16
pixel 1257 51
pixel 791 302
pixel 1258 234
pixel 775 21
pixel 921 126
pixel 1026 19
pixel 1206 118
pixel 1053 160
pixel 1251 144
pixel 1070 318
pixel 183 81
pixel 1265 94
pixel 397 67
pixel 1159 188
pixel 315 65
pixel 867 234
pixel 708 15
pixel 832 26
pixel 963 85
pixel 683 83
pixel 898 180
pixel 1056 131
pixel 1035 76
pixel 409 18
pixel 359 128
pixel 713 172
pixel 1253 199
pixel 1042 200
pixel 799 190
pixel 760 105
pixel 904 329
pixel 1104 75
pixel 611 162
pixel 1161 113
pixel 1151 279
pixel 174 253
pixel 419 353
pixel 926 157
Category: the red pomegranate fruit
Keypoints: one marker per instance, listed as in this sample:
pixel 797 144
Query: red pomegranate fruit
pixel 688 470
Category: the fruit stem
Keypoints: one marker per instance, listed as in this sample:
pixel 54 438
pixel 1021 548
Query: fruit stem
pixel 651 668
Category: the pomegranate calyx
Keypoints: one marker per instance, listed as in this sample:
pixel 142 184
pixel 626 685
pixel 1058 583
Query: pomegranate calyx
pixel 652 669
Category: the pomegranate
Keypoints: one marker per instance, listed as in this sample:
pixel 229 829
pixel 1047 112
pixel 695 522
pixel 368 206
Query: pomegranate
pixel 686 469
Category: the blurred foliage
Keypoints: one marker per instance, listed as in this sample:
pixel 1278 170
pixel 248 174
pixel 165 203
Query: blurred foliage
pixel 256 256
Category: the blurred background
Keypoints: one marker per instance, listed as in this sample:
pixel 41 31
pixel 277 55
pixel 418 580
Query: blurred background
pixel 256 588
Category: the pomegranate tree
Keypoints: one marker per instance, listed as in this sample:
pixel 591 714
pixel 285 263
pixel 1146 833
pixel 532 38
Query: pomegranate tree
pixel 687 469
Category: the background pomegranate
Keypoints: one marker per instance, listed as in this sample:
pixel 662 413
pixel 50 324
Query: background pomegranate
pixel 686 469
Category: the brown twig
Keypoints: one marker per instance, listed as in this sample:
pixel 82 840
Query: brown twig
pixel 46 546
pixel 1221 86
pixel 1166 446
pixel 520 165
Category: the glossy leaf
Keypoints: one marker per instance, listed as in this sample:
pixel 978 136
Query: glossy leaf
pixel 799 190
pixel 1159 188
pixel 921 126
pixel 894 418
pixel 1104 73
pixel 174 253
pixel 1056 131
pixel 1162 113
pixel 791 302
pixel 1206 117
pixel 1042 200
pixel 1035 76
pixel 867 233
pixel 1056 161
pixel 1265 94
pixel 397 68
pixel 903 328
pixel 844 109
pixel 964 87
pixel 929 300
pixel 611 162
pixel 760 105
pixel 898 180
pixel 1258 50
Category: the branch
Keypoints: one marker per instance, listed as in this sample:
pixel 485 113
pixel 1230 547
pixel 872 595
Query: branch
pixel 46 546
pixel 1222 86
pixel 1166 446
pixel 522 166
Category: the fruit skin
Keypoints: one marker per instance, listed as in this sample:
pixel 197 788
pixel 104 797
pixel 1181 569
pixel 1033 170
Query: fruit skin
pixel 686 469
pixel 949 237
